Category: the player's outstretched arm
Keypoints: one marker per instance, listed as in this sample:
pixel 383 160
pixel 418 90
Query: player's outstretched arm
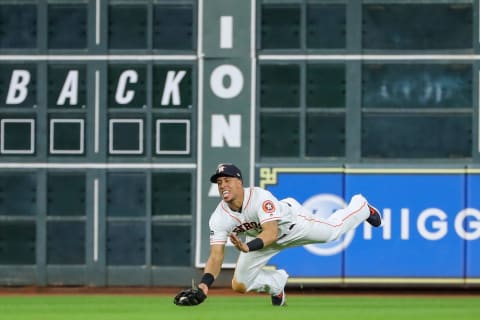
pixel 197 294
pixel 213 266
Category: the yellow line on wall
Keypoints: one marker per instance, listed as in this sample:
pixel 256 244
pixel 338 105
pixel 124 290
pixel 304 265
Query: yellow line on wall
pixel 450 281
pixel 268 176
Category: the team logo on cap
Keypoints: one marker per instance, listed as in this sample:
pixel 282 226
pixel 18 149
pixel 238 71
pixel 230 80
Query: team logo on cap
pixel 268 206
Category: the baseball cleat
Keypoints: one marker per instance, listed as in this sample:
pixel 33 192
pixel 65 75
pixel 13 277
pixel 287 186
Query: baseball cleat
pixel 279 299
pixel 374 219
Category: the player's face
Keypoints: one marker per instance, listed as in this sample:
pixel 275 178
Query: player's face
pixel 230 188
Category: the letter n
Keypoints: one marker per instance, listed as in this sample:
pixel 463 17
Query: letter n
pixel 226 131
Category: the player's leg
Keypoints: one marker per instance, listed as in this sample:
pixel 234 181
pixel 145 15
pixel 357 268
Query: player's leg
pixel 250 276
pixel 340 222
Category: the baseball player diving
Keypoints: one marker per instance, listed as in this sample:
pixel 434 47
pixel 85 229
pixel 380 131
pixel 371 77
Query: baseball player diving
pixel 270 225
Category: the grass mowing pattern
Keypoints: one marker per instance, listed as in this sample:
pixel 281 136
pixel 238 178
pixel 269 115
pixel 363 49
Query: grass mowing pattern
pixel 300 307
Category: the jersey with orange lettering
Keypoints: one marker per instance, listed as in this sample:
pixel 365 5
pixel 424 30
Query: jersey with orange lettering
pixel 259 206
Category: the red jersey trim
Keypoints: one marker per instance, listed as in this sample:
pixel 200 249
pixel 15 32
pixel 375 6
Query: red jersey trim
pixel 231 216
pixel 248 200
pixel 218 242
pixel 334 225
pixel 270 219
pixel 355 211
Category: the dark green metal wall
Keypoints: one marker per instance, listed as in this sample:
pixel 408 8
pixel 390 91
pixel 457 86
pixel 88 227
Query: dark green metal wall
pixel 114 113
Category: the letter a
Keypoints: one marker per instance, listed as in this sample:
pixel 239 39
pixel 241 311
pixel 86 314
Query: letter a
pixel 70 89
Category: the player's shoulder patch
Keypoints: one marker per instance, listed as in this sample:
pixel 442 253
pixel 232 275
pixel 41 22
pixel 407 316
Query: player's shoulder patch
pixel 268 206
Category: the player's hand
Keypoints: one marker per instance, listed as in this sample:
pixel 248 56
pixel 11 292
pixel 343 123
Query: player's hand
pixel 239 244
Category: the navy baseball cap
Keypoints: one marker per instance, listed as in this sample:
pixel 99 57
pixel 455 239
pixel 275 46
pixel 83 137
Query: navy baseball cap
pixel 226 170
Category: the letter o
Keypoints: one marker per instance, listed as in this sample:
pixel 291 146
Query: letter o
pixel 236 81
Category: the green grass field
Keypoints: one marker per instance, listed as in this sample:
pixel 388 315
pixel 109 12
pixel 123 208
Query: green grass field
pixel 300 307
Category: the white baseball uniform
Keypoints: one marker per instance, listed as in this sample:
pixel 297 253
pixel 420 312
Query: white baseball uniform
pixel 296 226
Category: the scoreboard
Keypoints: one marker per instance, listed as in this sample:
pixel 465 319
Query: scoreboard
pixel 68 109
pixel 98 127
pixel 114 113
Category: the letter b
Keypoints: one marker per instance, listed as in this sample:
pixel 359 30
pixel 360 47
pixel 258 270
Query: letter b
pixel 17 91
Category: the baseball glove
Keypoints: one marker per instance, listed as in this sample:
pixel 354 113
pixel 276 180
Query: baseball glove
pixel 190 297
